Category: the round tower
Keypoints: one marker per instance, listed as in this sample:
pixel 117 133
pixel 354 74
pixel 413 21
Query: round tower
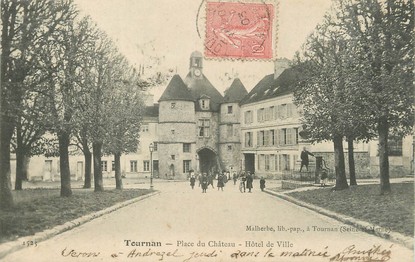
pixel 177 129
pixel 230 126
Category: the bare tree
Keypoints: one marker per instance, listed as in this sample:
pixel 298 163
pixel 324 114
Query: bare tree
pixel 124 110
pixel 25 24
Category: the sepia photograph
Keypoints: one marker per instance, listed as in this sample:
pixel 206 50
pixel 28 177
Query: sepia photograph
pixel 207 130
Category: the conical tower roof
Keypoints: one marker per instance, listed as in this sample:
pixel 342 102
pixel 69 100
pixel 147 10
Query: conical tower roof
pixel 236 92
pixel 176 90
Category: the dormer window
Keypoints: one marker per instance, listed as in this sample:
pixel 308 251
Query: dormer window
pixel 275 89
pixel 267 91
pixel 204 103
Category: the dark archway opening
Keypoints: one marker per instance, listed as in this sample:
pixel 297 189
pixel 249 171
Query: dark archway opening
pixel 208 161
pixel 250 163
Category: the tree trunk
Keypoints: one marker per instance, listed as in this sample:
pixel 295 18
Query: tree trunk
pixel 339 166
pixel 20 151
pixel 64 139
pixel 25 168
pixel 6 198
pixel 98 183
pixel 88 162
pixel 352 168
pixel 383 131
pixel 118 179
pixel 20 168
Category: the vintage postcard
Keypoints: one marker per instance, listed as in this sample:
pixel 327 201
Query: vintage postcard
pixel 238 130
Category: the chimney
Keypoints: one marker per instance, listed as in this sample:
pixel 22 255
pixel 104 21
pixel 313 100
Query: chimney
pixel 280 65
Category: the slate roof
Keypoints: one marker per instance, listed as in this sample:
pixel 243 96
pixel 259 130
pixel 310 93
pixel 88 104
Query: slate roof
pixel 268 87
pixel 176 90
pixel 235 93
pixel 202 86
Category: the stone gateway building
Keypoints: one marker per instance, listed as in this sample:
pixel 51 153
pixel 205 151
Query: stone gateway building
pixel 198 128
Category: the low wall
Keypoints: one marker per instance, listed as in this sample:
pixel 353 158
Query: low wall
pixel 362 163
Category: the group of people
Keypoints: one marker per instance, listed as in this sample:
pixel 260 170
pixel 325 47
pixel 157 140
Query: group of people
pixel 206 180
pixel 245 181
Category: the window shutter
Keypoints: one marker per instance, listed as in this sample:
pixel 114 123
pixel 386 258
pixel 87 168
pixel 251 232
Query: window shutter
pixel 276 113
pixel 266 138
pixel 282 137
pixel 258 136
pixel 277 137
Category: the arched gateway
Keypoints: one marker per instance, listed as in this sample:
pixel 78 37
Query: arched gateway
pixel 208 161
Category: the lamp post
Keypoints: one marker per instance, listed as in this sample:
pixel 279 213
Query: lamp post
pixel 151 148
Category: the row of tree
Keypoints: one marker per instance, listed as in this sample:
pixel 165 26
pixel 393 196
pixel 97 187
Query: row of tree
pixel 358 79
pixel 63 81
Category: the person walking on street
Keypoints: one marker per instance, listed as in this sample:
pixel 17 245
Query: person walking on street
pixel 235 178
pixel 192 181
pixel 242 182
pixel 249 181
pixel 204 182
pixel 304 158
pixel 262 183
pixel 221 182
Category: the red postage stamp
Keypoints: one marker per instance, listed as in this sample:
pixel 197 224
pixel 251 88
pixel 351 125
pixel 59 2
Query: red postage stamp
pixel 239 30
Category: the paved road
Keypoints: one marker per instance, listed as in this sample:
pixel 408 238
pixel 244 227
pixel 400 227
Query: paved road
pixel 179 219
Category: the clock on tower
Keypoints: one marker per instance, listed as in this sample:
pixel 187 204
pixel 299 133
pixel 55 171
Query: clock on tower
pixel 196 64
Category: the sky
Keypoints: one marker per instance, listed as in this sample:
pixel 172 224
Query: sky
pixel 161 35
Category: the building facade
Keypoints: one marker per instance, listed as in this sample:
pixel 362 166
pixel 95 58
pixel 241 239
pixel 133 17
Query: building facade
pixel 270 126
pixel 272 144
